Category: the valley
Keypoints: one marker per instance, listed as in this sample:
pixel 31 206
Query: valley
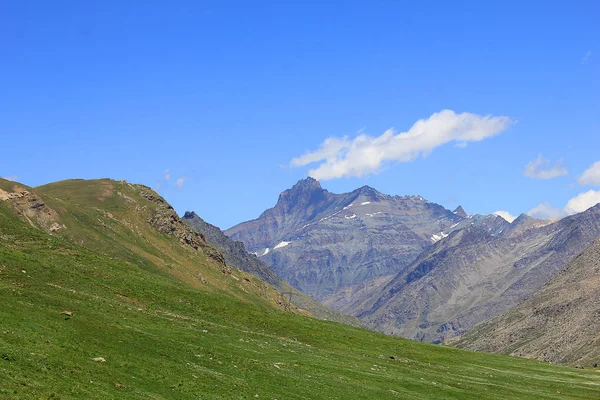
pixel 125 302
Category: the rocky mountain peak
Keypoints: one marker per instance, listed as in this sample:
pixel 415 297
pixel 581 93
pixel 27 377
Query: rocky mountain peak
pixel 368 191
pixel 305 192
pixel 190 215
pixel 521 219
pixel 307 183
pixel 460 212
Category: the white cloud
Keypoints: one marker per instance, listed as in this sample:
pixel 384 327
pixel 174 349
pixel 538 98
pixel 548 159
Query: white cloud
pixel 167 176
pixel 582 202
pixel 506 215
pixel 546 211
pixel 541 168
pixel 586 57
pixel 577 204
pixel 591 176
pixel 10 177
pixel 365 154
pixel 180 181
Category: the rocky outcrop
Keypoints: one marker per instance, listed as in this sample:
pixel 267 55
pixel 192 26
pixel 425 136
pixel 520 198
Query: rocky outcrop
pixel 236 256
pixel 165 220
pixel 32 208
pixel 234 252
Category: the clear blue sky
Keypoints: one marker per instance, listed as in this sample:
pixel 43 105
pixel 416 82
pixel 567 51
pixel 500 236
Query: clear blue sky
pixel 226 94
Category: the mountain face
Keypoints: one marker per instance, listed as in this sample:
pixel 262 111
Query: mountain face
pixel 234 252
pixel 339 247
pixel 473 275
pixel 560 323
pixel 236 256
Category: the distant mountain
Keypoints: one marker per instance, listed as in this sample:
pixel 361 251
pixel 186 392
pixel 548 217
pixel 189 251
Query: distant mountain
pixel 559 323
pixel 460 212
pixel 474 275
pixel 522 223
pixel 236 256
pixel 340 247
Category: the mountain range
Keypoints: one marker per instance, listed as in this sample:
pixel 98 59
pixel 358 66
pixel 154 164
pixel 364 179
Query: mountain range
pixel 560 323
pixel 107 293
pixel 338 247
pixel 472 276
pixel 406 266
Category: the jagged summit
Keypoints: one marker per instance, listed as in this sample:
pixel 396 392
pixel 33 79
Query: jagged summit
pixel 190 215
pixel 368 191
pixel 309 182
pixel 523 218
pixel 304 193
pixel 326 243
pixel 460 212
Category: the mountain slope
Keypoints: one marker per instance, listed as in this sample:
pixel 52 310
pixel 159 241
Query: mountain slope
pixel 473 275
pixel 234 252
pixel 119 303
pixel 236 256
pixel 559 323
pixel 329 245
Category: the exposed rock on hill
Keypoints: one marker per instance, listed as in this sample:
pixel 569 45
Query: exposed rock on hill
pixel 234 252
pixel 30 206
pixel 236 256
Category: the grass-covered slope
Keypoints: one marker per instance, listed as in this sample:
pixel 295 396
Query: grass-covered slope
pixel 236 256
pixel 158 331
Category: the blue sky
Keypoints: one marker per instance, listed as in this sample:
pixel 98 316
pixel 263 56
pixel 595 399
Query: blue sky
pixel 224 96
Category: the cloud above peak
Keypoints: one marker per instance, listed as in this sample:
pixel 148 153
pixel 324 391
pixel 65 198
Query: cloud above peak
pixel 577 204
pixel 364 155
pixel 591 176
pixel 542 168
pixel 506 215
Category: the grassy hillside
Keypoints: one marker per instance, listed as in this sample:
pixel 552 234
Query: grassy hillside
pixel 172 322
pixel 236 256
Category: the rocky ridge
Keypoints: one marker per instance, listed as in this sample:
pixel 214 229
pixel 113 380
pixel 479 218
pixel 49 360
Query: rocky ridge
pixel 236 256
pixel 339 247
pixel 560 323
pixel 474 275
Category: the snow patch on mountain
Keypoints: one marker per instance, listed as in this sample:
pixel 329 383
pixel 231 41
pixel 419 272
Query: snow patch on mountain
pixel 280 245
pixel 438 237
